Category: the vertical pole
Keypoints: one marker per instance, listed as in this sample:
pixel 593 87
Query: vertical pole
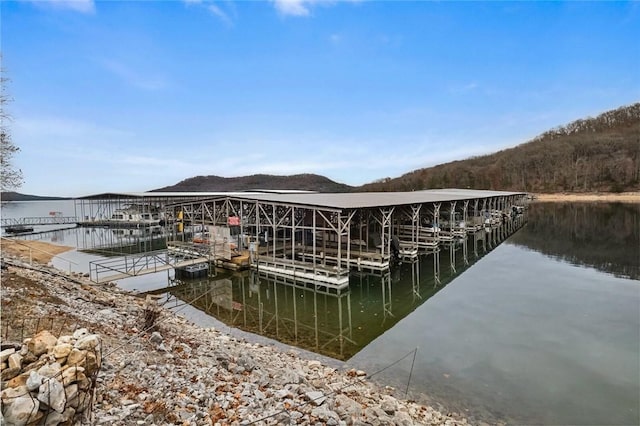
pixel 273 227
pixel 314 240
pixel 315 316
pixel 339 232
pixel 293 235
pixel 341 338
pixel 436 222
pixel 436 266
pixel 349 315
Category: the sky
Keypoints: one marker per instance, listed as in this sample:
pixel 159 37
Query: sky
pixel 132 96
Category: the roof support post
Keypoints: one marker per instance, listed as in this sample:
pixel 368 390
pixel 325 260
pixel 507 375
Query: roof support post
pixel 436 220
pixel 314 235
pixel 385 223
pixel 415 224
pixel 344 229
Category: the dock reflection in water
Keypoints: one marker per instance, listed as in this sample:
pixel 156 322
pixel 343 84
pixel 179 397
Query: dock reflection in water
pixel 327 321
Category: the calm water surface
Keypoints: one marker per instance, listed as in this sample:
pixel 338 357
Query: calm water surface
pixel 543 328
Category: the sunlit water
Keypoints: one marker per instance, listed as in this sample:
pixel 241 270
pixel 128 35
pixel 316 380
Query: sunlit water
pixel 543 328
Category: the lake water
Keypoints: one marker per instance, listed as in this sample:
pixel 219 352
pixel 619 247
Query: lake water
pixel 543 328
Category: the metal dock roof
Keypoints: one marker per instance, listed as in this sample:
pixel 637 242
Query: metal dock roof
pixel 355 200
pixel 345 200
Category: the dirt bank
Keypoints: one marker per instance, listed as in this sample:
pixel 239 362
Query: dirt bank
pixel 37 251
pixel 623 197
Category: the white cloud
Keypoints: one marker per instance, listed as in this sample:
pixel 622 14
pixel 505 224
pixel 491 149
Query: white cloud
pixel 81 6
pixel 303 7
pixel 215 9
pixel 465 88
pixel 219 13
pixel 293 7
pixel 141 81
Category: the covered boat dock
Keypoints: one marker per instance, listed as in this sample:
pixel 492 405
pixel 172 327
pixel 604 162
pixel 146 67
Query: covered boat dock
pixel 322 236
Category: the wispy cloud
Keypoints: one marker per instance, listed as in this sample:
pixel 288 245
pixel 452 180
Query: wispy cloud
pixel 81 6
pixel 220 14
pixel 303 7
pixel 465 88
pixel 215 9
pixel 294 7
pixel 134 78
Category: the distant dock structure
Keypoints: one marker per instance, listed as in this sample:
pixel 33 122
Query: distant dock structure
pixel 317 237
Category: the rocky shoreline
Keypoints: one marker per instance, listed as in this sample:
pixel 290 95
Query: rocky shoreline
pixel 158 368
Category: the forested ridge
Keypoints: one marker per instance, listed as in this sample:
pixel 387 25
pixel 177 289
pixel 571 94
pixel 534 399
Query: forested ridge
pixel 593 154
pixel 308 182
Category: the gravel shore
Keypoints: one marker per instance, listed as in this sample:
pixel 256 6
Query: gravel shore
pixel 158 368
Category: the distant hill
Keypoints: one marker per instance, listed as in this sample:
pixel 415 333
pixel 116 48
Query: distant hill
pixel 592 154
pixel 308 182
pixel 15 196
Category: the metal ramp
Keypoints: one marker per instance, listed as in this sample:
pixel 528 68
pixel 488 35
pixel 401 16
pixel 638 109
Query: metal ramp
pixel 105 270
pixel 43 220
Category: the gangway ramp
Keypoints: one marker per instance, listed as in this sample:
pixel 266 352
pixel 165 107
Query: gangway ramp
pixel 105 270
pixel 42 220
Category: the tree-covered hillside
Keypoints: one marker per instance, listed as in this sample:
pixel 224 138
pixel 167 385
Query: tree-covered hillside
pixel 594 154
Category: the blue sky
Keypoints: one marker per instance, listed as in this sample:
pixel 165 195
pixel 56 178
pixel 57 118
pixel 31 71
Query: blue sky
pixel 132 96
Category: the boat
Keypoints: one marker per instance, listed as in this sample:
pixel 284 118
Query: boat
pixel 131 216
pixel 18 229
pixel 193 271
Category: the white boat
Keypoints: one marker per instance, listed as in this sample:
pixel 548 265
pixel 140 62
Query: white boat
pixel 131 216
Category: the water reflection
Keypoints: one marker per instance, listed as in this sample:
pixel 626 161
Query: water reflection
pixel 105 241
pixel 328 321
pixel 605 236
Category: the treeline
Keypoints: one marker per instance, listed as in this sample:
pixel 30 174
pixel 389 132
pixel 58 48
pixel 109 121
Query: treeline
pixel 595 154
pixel 16 196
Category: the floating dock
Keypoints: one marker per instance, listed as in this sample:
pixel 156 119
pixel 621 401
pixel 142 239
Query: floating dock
pixel 322 236
pixel 307 236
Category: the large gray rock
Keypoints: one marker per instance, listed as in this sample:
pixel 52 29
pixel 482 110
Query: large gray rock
pixel 34 380
pixel 4 355
pixel 156 338
pixel 51 392
pixel 50 370
pixel 315 397
pixel 15 361
pixel 327 416
pixel 389 405
pixel 247 362
pixel 89 342
pixel 21 410
pixel 346 407
pixel 80 333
